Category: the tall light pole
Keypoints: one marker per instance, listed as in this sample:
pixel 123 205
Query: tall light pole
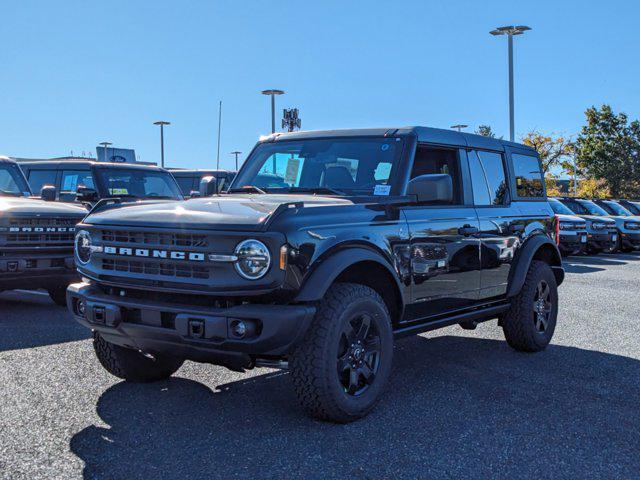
pixel 510 31
pixel 236 153
pixel 105 145
pixel 162 124
pixel 459 127
pixel 273 92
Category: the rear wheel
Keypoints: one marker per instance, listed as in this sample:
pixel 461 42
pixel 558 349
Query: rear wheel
pixel 340 369
pixel 131 365
pixel 531 320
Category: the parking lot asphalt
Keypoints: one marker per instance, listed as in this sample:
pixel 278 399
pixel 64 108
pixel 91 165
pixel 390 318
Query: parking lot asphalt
pixel 461 404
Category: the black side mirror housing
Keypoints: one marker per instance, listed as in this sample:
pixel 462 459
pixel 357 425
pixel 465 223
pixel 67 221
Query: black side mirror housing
pixel 432 188
pixel 49 193
pixel 208 186
pixel 86 195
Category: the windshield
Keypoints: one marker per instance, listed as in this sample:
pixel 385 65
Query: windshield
pixel 138 183
pixel 592 208
pixel 616 209
pixel 338 166
pixel 559 207
pixel 12 182
pixel 633 207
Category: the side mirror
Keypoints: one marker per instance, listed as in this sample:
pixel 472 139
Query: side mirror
pixel 48 193
pixel 194 194
pixel 86 195
pixel 208 186
pixel 435 188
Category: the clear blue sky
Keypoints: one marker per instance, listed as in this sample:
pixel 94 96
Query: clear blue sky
pixel 77 73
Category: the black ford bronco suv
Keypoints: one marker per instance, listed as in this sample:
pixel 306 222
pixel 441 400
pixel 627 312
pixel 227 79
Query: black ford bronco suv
pixel 36 237
pixel 326 247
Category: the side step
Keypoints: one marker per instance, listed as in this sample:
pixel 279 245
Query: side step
pixel 469 318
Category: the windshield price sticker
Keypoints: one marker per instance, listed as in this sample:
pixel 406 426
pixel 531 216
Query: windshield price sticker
pixel 382 190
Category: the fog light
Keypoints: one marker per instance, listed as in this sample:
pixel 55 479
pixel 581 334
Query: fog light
pixel 81 308
pixel 238 328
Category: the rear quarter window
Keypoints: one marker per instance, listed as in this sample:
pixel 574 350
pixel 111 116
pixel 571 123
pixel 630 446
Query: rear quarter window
pixel 528 176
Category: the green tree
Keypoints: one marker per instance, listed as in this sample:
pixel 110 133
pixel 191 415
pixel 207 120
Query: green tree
pixel 485 131
pixel 553 151
pixel 608 149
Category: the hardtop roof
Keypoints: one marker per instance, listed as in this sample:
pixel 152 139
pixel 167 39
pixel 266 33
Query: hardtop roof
pixel 89 163
pixel 424 134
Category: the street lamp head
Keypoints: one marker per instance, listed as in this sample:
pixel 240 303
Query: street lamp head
pixel 459 127
pixel 235 152
pixel 510 30
pixel 161 122
pixel 273 91
pixel 105 144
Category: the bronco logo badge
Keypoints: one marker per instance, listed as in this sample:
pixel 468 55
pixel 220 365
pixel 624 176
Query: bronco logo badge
pixel 149 253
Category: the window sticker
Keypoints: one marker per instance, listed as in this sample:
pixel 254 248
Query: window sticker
pixel 118 191
pixel 382 190
pixel 293 165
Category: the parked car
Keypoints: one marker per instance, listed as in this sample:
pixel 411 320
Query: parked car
pixel 36 237
pixel 88 182
pixel 370 235
pixel 602 234
pixel 189 180
pixel 627 224
pixel 572 230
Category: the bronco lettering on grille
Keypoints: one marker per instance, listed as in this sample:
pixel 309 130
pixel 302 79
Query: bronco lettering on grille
pixel 151 253
pixel 41 229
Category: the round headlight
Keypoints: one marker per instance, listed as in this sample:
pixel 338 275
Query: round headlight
pixel 254 259
pixel 83 246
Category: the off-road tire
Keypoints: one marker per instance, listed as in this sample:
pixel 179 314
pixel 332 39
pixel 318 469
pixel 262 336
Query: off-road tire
pixel 518 323
pixel 313 364
pixel 58 295
pixel 131 365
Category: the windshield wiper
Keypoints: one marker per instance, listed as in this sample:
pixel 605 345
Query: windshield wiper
pixel 319 190
pixel 247 189
pixel 10 194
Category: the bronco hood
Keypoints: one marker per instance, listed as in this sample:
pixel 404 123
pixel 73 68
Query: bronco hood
pixel 31 206
pixel 569 218
pixel 230 212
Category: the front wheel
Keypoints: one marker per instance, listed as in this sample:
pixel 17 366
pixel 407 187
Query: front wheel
pixel 530 322
pixel 342 366
pixel 131 365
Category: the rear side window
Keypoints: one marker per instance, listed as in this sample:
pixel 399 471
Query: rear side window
pixel 529 181
pixel 40 178
pixel 488 178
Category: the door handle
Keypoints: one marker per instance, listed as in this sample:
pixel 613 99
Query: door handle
pixel 516 228
pixel 467 230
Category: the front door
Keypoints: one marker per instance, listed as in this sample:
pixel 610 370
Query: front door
pixel 444 247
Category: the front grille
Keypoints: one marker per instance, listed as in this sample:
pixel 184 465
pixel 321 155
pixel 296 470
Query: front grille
pixel 572 226
pixel 42 222
pixel 167 270
pixel 154 238
pixel 29 232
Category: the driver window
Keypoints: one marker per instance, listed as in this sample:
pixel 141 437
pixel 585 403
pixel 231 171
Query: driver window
pixel 429 161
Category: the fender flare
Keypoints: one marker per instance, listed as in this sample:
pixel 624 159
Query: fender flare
pixel 525 256
pixel 321 278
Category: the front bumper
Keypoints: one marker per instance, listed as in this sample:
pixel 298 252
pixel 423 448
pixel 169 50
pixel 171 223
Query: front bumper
pixel 571 243
pixel 203 334
pixel 602 241
pixel 33 272
pixel 631 240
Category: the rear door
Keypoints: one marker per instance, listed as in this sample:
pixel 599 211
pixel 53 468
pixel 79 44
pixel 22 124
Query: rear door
pixel 500 225
pixel 444 248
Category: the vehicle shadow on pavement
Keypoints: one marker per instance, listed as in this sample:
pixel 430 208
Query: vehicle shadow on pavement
pixel 456 407
pixel 30 320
